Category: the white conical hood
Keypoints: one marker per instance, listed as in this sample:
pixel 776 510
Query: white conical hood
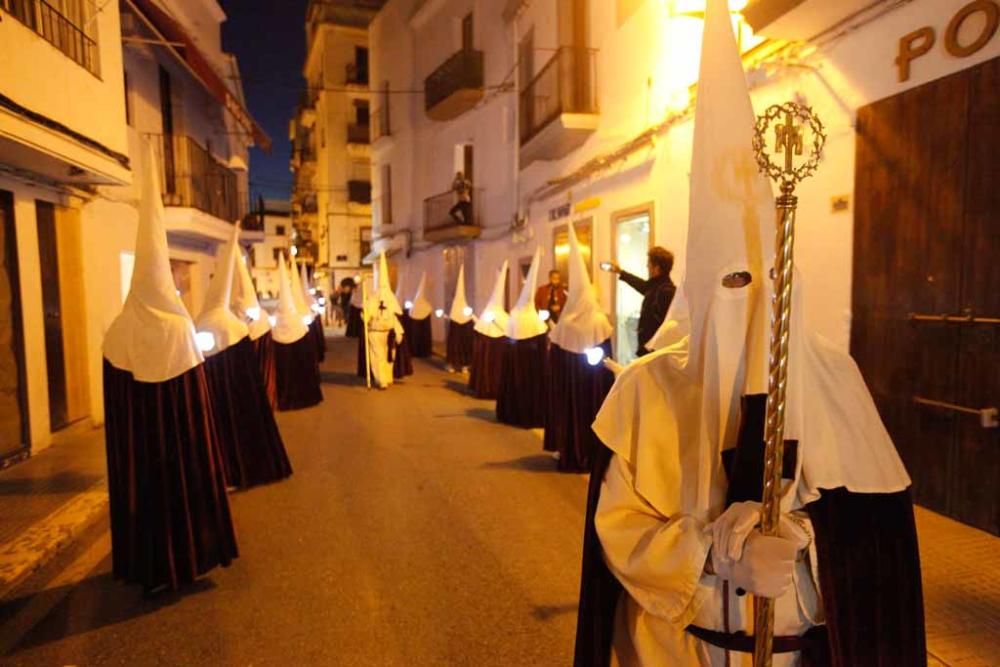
pixel 422 307
pixel 215 317
pixel 244 301
pixel 492 321
pixel 582 323
pixel 289 326
pixel 307 296
pixel 461 312
pixel 383 289
pixel 524 321
pixel 677 409
pixel 297 292
pixel 153 337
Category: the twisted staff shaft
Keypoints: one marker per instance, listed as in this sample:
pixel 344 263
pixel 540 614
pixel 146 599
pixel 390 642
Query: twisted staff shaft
pixel 781 309
pixel 364 332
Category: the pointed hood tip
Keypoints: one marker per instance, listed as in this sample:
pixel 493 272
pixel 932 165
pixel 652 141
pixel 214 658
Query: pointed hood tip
pixel 524 321
pixel 460 312
pixel 582 324
pixel 422 307
pixel 492 321
pixel 215 317
pixel 289 326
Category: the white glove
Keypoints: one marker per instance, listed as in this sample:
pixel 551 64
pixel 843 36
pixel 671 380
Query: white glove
pixel 731 529
pixel 765 568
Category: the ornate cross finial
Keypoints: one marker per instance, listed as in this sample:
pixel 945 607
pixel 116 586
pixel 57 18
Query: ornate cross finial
pixel 792 122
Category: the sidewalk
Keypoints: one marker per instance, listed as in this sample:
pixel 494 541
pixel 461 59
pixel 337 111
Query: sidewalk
pixel 48 501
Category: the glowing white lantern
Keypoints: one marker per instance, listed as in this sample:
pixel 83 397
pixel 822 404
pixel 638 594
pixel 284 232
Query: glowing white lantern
pixel 272 319
pixel 489 316
pixel 544 315
pixel 408 305
pixel 439 313
pixel 307 320
pixel 253 312
pixel 595 355
pixel 205 340
pixel 467 311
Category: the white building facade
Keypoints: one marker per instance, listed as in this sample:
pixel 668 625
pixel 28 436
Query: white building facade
pixel 583 113
pixel 275 216
pixel 70 151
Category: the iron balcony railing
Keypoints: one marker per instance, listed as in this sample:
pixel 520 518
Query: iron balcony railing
pixel 464 69
pixel 57 29
pixel 437 211
pixel 191 177
pixel 566 84
pixel 380 123
pixel 358 133
pixel 359 192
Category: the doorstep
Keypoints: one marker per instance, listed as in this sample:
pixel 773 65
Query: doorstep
pixel 49 500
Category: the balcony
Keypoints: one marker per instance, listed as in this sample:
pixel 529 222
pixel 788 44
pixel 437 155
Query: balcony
pixel 307 107
pixel 358 134
pixel 57 30
pixel 192 178
pixel 558 108
pixel 359 192
pixel 441 227
pixel 455 87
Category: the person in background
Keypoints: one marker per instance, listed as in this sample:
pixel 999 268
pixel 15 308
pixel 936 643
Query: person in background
pixel 343 302
pixel 552 296
pixel 657 292
pixel 462 187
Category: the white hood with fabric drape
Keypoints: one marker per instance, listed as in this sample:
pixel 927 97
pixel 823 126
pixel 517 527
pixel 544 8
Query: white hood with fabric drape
pixel 298 292
pixel 524 321
pixel 422 307
pixel 582 324
pixel 244 301
pixel 492 322
pixel 289 326
pixel 216 317
pixel 461 312
pixel 153 337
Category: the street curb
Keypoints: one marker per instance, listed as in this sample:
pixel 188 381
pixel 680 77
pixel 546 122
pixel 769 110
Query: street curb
pixel 37 546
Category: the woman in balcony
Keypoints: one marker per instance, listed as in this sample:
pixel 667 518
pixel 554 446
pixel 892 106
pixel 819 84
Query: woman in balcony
pixel 521 395
pixel 462 187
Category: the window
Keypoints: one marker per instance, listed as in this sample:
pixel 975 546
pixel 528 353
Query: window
pixel 129 120
pixel 65 24
pixel 277 254
pixel 386 195
pixel 279 230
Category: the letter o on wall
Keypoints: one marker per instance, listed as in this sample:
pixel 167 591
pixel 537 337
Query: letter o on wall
pixel 991 12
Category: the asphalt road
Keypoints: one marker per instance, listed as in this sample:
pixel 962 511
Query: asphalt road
pixel 415 531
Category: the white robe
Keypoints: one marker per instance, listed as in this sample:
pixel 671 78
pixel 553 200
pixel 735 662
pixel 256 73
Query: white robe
pixel 380 323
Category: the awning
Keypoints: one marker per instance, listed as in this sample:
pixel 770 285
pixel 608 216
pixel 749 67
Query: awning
pixel 181 44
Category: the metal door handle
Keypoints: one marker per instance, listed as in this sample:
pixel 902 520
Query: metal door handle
pixel 988 417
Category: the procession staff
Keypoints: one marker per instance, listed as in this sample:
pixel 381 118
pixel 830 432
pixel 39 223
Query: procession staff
pixel 170 518
pixel 673 543
pixel 521 392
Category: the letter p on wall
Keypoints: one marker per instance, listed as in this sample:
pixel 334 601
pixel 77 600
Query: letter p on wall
pixel 978 34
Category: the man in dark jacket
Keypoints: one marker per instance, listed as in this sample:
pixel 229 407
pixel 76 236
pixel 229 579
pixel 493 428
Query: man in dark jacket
pixel 657 293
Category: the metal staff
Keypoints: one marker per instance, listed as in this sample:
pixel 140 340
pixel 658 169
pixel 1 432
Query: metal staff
pixel 364 332
pixel 790 119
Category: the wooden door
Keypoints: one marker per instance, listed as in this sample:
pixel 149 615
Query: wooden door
pixel 55 361
pixel 13 401
pixel 926 245
pixel 69 249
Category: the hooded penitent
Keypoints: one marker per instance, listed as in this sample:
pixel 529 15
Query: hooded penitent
pixel 489 343
pixel 170 520
pixel 295 360
pixel 577 379
pixel 246 306
pixel 460 327
pixel 316 324
pixel 686 427
pixel 353 314
pixel 384 329
pixel 521 393
pixel 249 440
pixel 419 332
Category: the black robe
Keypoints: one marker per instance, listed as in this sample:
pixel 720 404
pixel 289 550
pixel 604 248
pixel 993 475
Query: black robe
pixel 251 445
pixel 354 324
pixel 574 394
pixel 170 518
pixel 316 331
pixel 418 335
pixel 487 362
pixel 263 349
pixel 297 374
pixel 459 344
pixel 869 565
pixel 521 394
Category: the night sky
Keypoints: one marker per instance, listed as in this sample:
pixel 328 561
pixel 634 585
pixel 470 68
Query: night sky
pixel 268 39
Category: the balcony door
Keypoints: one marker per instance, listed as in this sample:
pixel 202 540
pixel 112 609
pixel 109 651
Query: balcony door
pixel 632 231
pixel 467 44
pixel 13 399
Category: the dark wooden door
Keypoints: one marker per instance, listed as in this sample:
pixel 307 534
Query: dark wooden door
pixel 467 43
pixel 13 403
pixel 925 245
pixel 55 360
